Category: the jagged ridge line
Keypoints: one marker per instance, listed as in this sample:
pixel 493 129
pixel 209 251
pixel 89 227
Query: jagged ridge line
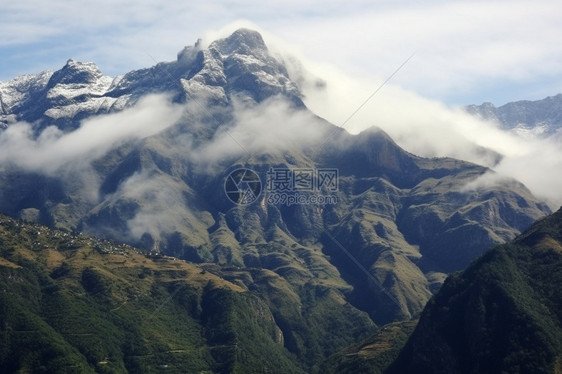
pixel 194 99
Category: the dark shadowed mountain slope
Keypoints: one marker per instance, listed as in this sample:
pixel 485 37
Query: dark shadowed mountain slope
pixel 501 315
pixel 372 355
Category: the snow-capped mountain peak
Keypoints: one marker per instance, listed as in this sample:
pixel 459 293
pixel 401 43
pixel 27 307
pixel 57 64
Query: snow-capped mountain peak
pixel 76 72
pixel 239 65
pixel 540 118
pixel 78 78
pixel 15 92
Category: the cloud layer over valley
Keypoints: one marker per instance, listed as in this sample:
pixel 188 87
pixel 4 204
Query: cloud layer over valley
pixel 431 129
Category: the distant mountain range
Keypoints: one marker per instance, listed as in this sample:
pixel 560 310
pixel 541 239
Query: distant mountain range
pixel 144 159
pixel 539 118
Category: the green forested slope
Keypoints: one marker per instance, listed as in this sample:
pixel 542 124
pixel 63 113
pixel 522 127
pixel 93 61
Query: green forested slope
pixel 501 315
pixel 70 303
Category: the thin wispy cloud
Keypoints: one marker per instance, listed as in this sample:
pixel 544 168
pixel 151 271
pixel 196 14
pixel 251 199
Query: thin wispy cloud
pixel 53 151
pixel 431 129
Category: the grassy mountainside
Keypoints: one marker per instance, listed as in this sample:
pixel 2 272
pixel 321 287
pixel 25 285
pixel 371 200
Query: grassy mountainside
pixel 397 214
pixel 374 354
pixel 71 303
pixel 502 314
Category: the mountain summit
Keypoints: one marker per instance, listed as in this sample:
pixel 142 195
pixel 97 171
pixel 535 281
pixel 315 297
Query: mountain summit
pixel 238 66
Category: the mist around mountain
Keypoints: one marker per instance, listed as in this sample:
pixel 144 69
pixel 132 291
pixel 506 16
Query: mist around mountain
pixel 502 314
pixel 143 158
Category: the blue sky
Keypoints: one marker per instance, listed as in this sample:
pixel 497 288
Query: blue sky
pixel 465 51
